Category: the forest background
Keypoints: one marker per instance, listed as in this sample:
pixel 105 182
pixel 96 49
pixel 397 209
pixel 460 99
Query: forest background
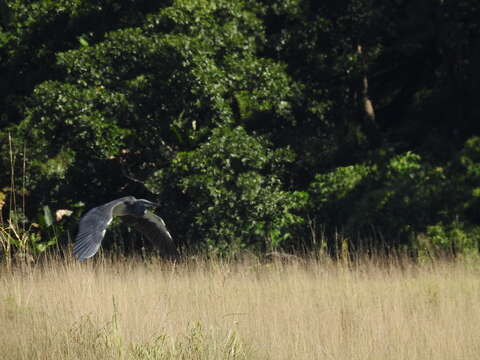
pixel 345 126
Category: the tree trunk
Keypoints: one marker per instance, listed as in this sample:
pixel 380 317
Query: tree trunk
pixel 367 105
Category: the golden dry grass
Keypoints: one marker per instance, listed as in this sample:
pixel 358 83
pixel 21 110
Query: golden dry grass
pixel 248 310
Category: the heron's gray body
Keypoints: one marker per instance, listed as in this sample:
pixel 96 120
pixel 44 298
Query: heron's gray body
pixel 94 223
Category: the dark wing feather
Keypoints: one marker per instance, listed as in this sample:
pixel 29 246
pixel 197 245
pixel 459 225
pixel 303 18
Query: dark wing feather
pixel 91 231
pixel 154 228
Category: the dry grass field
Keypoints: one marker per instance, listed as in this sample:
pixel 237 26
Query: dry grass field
pixel 134 309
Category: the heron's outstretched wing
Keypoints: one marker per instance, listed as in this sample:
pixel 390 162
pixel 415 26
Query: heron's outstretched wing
pixel 91 231
pixel 154 228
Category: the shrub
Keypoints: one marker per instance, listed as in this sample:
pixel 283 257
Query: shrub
pixel 396 197
pixel 231 192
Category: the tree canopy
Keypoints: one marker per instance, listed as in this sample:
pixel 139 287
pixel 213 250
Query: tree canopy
pixel 258 124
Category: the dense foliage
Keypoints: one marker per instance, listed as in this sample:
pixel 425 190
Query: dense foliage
pixel 259 124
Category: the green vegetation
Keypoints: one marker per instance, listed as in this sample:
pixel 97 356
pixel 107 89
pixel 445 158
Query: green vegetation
pixel 260 125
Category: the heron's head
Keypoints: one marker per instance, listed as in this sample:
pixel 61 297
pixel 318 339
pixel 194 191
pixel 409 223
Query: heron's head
pixel 138 207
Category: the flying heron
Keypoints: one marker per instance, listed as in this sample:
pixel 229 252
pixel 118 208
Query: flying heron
pixel 94 223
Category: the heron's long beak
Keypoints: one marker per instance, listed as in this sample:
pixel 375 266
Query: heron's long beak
pixel 150 204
